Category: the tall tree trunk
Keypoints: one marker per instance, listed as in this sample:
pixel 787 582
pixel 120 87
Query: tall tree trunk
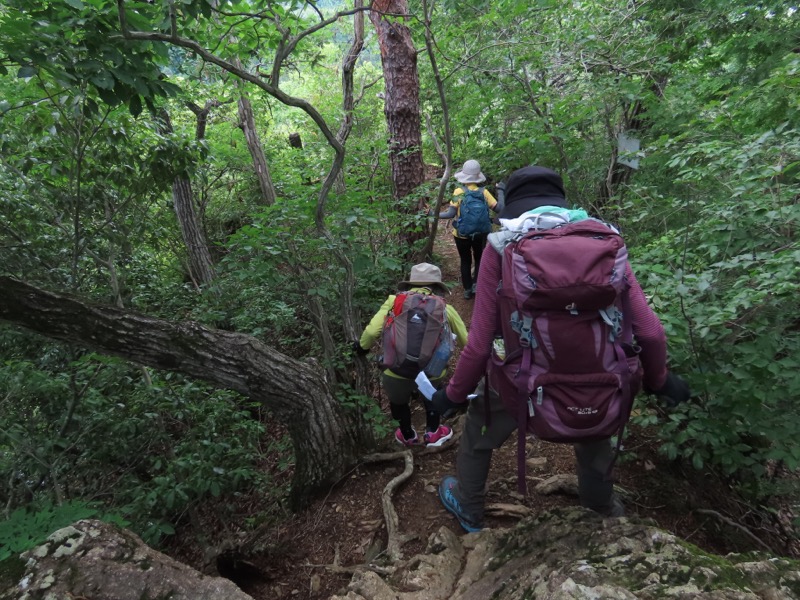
pixel 325 436
pixel 401 105
pixel 201 267
pixel 247 124
pixel 361 369
pixel 446 153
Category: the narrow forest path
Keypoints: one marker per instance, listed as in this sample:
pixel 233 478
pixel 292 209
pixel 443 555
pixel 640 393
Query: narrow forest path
pixel 347 526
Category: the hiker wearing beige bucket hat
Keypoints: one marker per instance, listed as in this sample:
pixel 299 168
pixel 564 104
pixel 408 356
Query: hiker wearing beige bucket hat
pixel 416 327
pixel 469 209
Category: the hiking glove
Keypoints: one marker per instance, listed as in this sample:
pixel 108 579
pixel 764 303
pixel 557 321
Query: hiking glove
pixel 674 391
pixel 440 403
pixel 500 188
pixel 358 349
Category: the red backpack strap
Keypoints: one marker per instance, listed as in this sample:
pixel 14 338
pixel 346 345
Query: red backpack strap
pixel 399 300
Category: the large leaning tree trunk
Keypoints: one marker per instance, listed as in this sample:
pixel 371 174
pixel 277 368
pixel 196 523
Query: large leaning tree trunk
pixel 401 103
pixel 325 437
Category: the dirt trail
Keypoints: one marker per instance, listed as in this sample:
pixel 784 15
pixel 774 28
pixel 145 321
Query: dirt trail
pixel 347 525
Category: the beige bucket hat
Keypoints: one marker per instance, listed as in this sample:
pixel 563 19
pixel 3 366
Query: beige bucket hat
pixel 425 275
pixel 470 173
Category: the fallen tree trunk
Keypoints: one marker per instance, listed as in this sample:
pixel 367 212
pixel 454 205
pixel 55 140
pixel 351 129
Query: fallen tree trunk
pixel 325 437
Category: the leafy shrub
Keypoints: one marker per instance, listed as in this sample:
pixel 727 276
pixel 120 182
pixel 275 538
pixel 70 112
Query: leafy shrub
pixel 93 430
pixel 28 527
pixel 725 283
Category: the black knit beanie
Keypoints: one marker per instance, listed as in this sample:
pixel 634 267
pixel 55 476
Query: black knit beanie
pixel 530 187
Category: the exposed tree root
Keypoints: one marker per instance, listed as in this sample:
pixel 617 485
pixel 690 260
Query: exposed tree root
pixel 335 567
pixel 518 511
pixel 395 538
pixel 735 525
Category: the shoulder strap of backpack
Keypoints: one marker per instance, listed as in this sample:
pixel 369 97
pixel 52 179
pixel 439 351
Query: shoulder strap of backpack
pixel 500 239
pixel 399 300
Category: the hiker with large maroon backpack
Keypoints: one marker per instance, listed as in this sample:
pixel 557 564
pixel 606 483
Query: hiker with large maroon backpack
pixel 417 330
pixel 567 337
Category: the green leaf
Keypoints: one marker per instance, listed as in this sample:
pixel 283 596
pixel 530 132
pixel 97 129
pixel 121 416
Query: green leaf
pixel 26 72
pixel 166 528
pixel 75 4
pixel 135 106
pixel 103 80
pixel 697 461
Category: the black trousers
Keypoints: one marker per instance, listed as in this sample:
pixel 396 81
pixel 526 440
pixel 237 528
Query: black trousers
pixel 470 249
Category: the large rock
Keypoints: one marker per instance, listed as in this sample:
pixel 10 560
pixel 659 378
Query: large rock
pixel 568 554
pixel 93 560
pixel 574 554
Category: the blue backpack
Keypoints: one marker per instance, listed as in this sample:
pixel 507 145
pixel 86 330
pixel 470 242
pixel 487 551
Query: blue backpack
pixel 473 214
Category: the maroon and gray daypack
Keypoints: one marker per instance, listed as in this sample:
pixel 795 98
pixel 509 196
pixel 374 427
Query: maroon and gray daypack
pixel 570 369
pixel 416 335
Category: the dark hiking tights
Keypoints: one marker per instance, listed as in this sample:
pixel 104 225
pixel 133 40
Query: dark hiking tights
pixel 470 249
pixel 402 413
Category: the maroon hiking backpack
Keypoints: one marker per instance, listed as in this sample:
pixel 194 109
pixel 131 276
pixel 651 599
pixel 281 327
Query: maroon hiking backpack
pixel 570 370
pixel 416 335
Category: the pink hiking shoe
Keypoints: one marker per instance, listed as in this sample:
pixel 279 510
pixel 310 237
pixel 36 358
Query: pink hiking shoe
pixel 438 437
pixel 414 441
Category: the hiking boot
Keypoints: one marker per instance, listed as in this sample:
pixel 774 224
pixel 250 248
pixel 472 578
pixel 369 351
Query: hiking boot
pixel 614 508
pixel 438 437
pixel 617 509
pixel 414 441
pixel 468 294
pixel 452 504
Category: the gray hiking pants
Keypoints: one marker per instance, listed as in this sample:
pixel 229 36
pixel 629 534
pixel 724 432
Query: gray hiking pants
pixel 595 488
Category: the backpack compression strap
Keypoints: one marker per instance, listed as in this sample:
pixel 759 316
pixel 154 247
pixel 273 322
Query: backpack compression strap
pixel 466 190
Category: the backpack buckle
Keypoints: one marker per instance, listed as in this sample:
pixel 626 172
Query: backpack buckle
pixel 524 328
pixel 613 318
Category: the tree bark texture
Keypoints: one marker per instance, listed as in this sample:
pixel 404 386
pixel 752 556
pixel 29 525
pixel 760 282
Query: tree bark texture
pixel 325 437
pixel 248 125
pixel 401 106
pixel 201 267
